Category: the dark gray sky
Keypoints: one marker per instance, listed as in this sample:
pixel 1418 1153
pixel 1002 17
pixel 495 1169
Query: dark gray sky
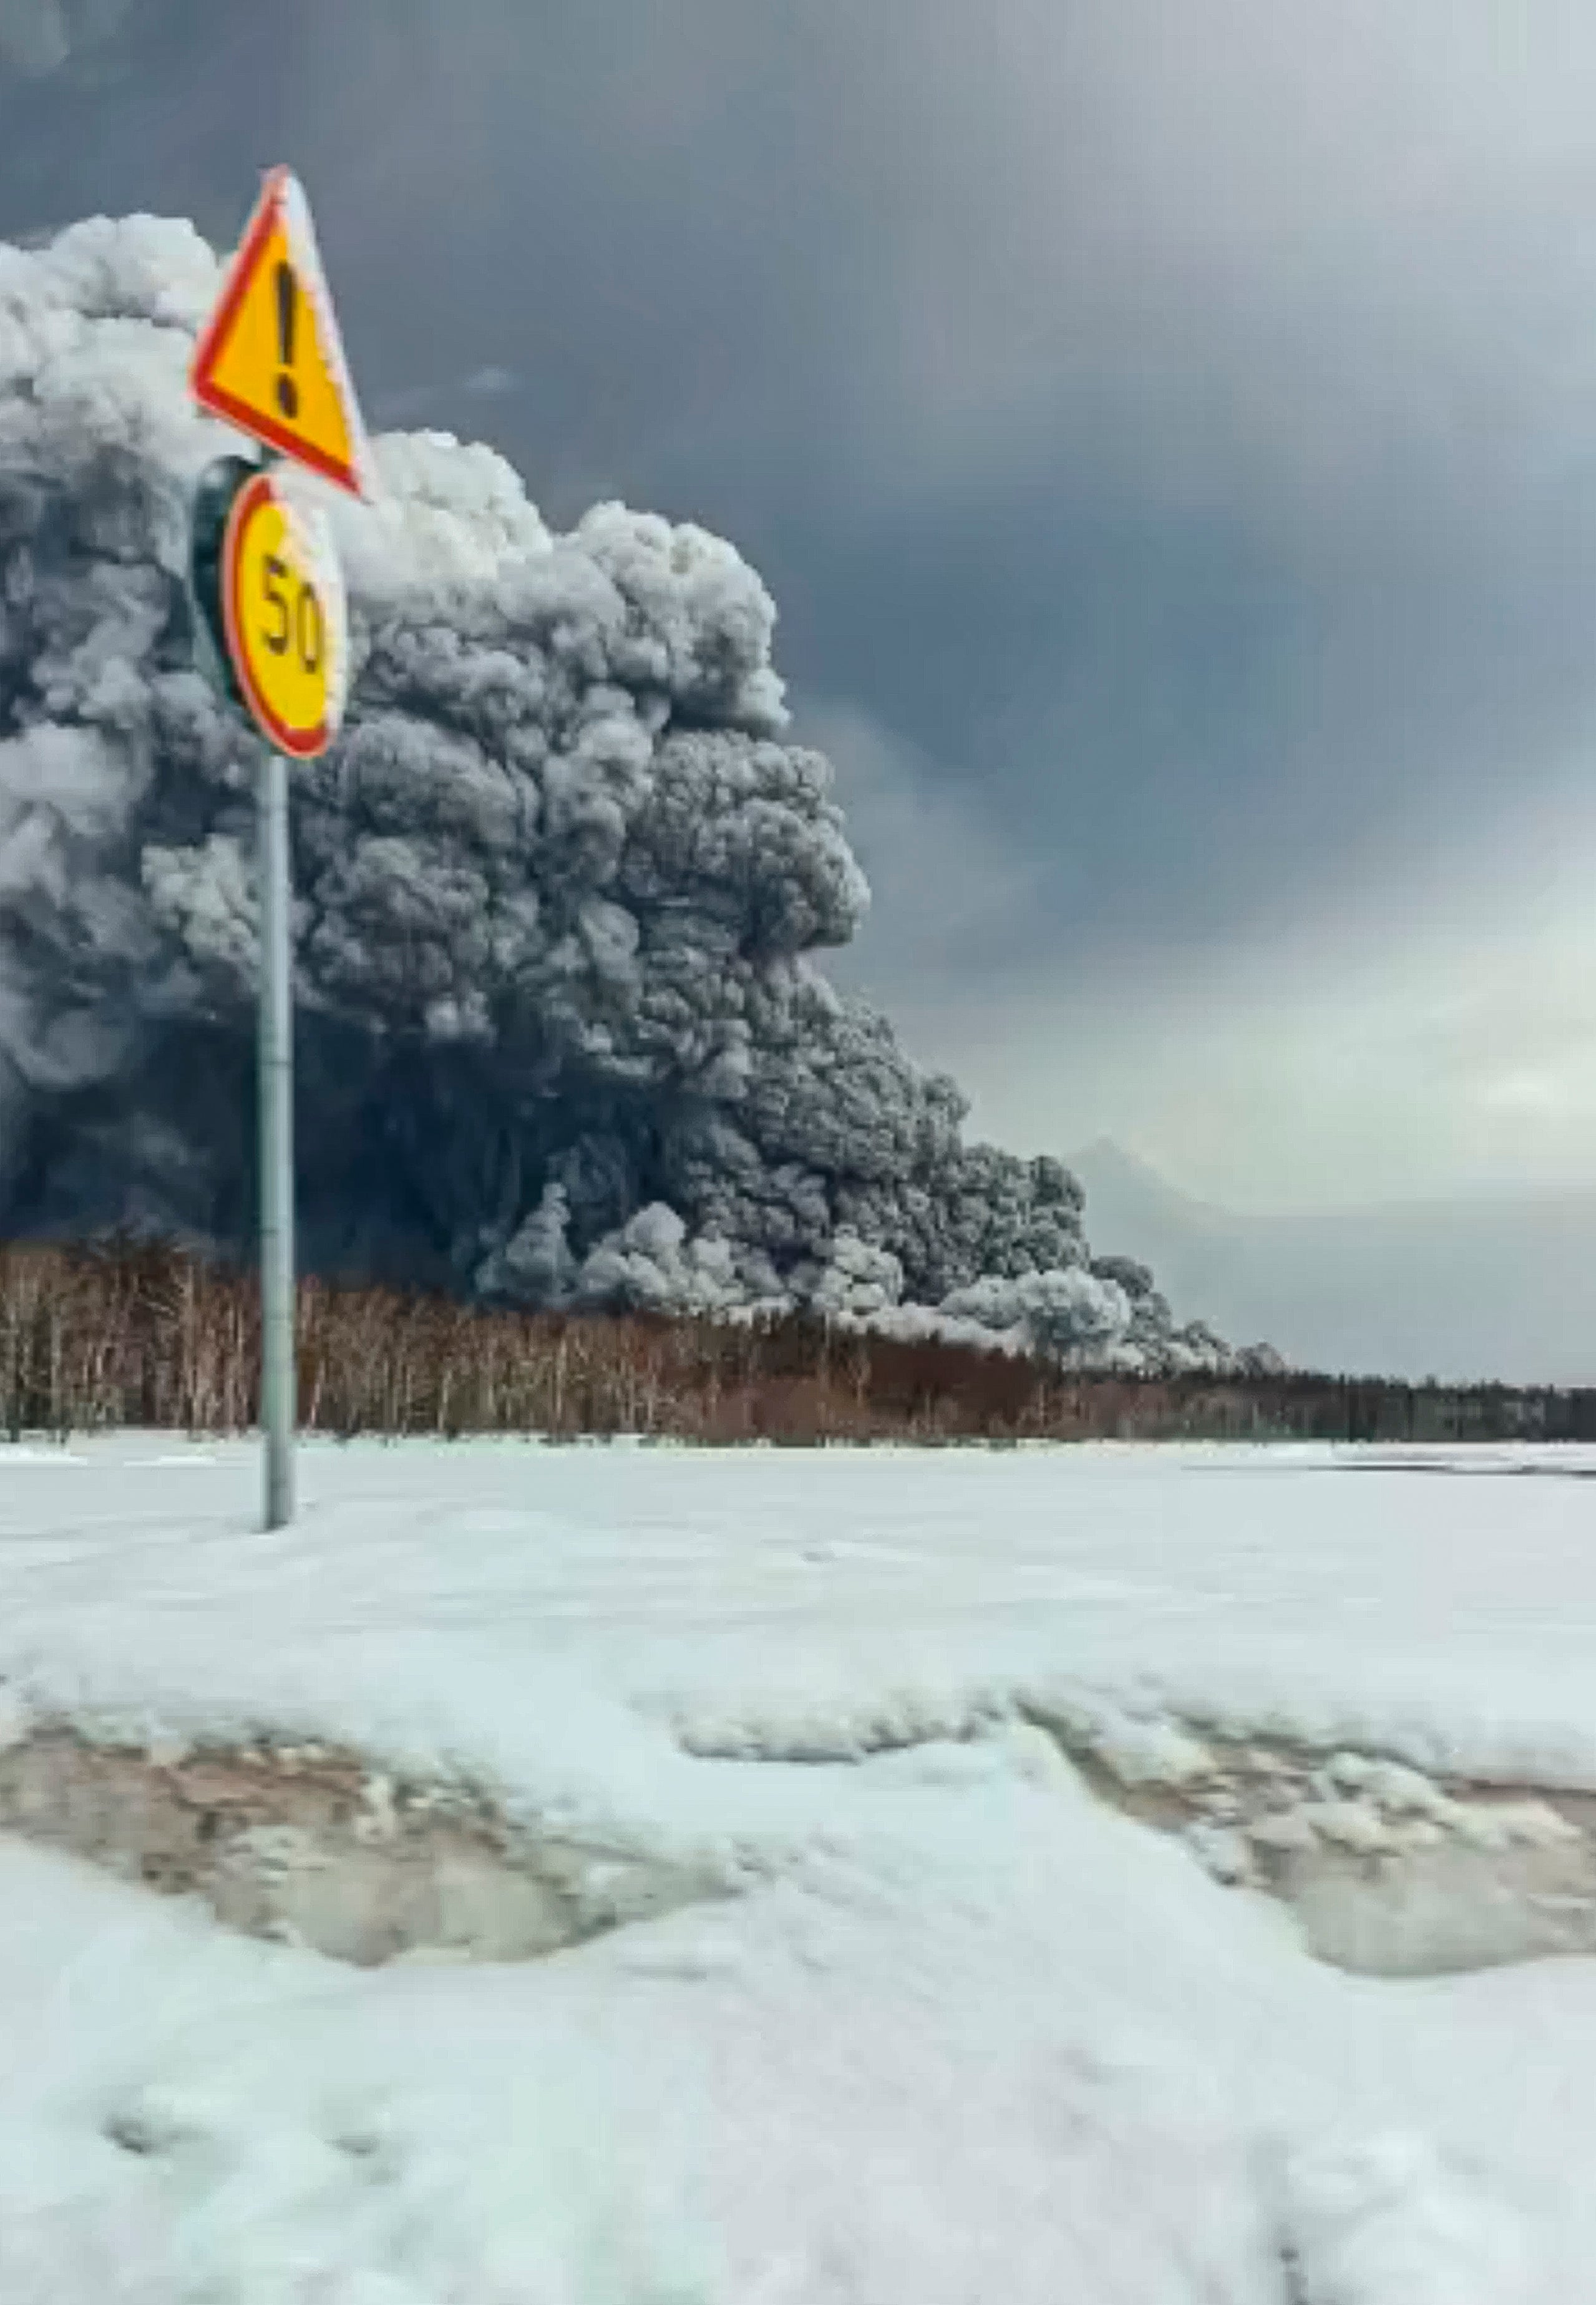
pixel 1168 428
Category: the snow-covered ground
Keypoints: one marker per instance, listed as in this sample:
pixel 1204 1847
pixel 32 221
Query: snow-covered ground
pixel 962 2033
pixel 518 1609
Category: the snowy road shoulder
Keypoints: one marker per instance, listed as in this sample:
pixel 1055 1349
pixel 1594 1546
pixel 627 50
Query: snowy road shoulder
pixel 931 2021
pixel 807 1605
pixel 1021 2047
pixel 566 1637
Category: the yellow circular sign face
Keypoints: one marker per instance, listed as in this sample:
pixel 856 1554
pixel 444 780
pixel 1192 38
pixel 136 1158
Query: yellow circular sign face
pixel 283 609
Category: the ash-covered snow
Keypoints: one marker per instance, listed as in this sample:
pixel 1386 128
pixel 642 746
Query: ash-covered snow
pixel 559 889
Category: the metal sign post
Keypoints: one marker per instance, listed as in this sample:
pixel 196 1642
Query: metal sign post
pixel 279 1360
pixel 269 622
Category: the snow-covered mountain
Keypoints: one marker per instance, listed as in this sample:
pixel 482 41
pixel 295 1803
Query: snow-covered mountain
pixel 1488 1286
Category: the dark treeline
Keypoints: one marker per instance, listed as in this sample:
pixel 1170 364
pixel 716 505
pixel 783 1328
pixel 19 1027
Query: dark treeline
pixel 131 1334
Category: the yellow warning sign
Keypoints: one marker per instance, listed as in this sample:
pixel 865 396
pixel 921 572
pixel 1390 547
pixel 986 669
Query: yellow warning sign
pixel 283 612
pixel 270 361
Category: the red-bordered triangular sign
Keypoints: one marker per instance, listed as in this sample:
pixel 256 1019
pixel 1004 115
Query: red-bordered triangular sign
pixel 270 359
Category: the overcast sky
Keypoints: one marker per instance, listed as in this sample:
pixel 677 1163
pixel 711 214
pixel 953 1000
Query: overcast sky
pixel 1168 428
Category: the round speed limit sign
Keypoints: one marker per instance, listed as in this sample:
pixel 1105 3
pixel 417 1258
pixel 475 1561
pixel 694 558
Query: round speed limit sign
pixel 283 618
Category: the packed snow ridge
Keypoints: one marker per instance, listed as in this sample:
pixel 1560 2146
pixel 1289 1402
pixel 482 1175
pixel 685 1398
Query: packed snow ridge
pixel 559 889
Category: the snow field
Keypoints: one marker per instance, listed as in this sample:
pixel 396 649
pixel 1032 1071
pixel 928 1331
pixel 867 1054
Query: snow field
pixel 566 1623
pixel 963 2030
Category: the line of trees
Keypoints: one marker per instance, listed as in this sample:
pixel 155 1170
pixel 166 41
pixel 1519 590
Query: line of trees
pixel 137 1334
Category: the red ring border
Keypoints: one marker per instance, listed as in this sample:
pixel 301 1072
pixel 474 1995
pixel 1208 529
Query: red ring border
pixel 299 744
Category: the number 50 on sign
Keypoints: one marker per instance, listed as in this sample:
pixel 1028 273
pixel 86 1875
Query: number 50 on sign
pixel 268 601
pixel 284 616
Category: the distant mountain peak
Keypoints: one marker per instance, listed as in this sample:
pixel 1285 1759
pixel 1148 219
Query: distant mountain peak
pixel 1124 1182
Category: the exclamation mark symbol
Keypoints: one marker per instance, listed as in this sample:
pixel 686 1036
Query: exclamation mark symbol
pixel 287 313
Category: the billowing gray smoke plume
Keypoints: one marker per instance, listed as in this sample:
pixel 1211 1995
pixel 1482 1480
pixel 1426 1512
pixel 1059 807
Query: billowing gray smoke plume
pixel 560 1036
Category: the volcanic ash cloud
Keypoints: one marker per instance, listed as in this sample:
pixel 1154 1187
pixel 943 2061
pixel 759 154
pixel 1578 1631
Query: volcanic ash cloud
pixel 559 891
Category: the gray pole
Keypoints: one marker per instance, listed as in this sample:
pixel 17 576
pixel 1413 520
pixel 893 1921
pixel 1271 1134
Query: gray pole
pixel 279 1404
